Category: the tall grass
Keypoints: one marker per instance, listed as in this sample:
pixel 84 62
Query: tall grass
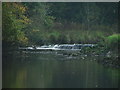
pixel 74 36
pixel 73 33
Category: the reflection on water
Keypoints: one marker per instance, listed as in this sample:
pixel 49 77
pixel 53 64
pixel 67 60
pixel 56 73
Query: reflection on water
pixel 52 70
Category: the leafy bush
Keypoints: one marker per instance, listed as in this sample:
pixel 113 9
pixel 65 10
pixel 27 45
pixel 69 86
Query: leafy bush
pixel 113 41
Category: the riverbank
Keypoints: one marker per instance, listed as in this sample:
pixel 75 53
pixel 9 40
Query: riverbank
pixel 109 58
pixel 99 53
pixel 106 52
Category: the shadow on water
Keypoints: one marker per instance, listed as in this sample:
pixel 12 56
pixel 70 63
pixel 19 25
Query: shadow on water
pixel 55 70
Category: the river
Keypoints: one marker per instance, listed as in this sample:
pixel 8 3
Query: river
pixel 50 69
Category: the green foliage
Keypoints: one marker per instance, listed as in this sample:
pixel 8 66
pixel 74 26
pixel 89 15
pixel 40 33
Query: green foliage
pixel 38 13
pixel 113 41
pixel 87 13
pixel 13 21
pixel 51 23
pixel 40 24
pixel 35 37
pixel 68 36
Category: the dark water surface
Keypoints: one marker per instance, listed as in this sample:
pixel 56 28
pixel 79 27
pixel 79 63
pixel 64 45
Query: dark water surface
pixel 52 70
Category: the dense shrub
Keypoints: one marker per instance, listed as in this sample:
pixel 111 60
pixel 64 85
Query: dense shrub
pixel 112 41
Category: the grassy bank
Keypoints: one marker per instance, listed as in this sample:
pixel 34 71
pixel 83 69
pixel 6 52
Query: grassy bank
pixel 71 34
pixel 107 51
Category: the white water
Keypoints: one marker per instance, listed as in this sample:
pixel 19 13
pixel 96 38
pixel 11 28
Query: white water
pixel 59 47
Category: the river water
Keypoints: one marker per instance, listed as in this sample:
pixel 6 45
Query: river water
pixel 49 69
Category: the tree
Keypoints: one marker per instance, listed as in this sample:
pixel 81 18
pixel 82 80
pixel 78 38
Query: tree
pixel 13 23
pixel 38 13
